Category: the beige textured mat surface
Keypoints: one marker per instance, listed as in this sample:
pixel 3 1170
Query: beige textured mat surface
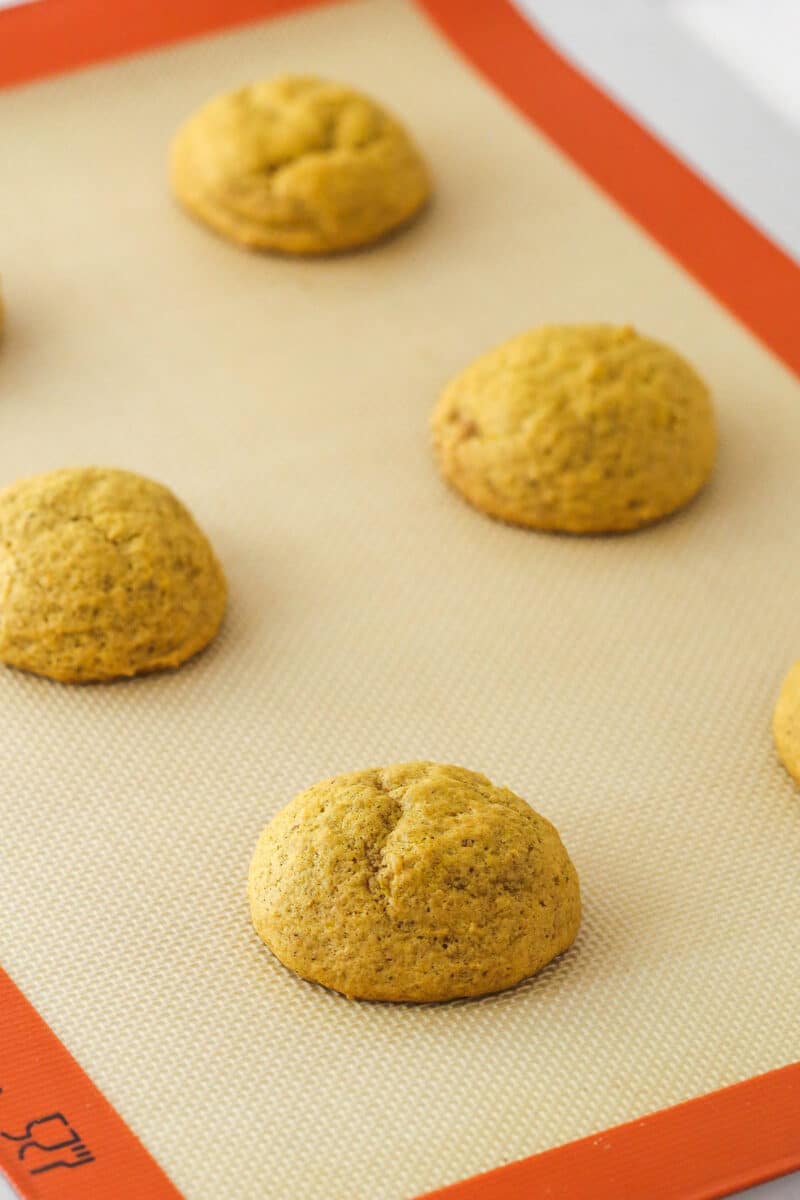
pixel 624 686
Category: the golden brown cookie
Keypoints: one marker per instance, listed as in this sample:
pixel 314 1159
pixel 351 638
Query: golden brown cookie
pixel 579 428
pixel 102 574
pixel 786 722
pixel 413 882
pixel 298 165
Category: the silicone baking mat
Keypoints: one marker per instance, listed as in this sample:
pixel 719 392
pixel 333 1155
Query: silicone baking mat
pixel 622 685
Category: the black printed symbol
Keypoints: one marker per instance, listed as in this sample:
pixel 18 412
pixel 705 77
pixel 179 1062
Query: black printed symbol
pixel 50 1142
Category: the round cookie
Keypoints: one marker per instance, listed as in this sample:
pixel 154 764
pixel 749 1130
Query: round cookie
pixel 298 165
pixel 102 574
pixel 786 723
pixel 414 882
pixel 578 428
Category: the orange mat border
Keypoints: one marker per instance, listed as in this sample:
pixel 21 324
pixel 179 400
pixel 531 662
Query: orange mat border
pixel 85 1150
pixel 699 1150
pixel 751 276
pixel 41 39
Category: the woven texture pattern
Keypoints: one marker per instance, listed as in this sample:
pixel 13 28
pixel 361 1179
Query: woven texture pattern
pixel 623 686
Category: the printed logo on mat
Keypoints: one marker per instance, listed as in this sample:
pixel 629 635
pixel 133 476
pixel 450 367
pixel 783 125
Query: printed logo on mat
pixel 48 1143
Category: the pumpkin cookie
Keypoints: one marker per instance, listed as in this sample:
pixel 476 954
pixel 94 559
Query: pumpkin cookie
pixel 786 723
pixel 298 165
pixel 102 574
pixel 413 882
pixel 580 428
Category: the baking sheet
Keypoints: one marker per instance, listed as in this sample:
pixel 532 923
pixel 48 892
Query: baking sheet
pixel 624 686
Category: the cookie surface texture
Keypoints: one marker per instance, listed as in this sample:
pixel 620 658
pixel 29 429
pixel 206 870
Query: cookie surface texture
pixel 414 882
pixel 786 723
pixel 297 165
pixel 577 428
pixel 103 574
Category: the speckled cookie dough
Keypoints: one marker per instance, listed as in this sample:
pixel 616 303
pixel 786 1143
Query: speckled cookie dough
pixel 578 428
pixel 102 574
pixel 413 882
pixel 786 723
pixel 298 165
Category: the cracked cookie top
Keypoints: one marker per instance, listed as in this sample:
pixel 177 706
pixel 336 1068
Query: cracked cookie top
pixel 413 882
pixel 580 428
pixel 103 574
pixel 299 165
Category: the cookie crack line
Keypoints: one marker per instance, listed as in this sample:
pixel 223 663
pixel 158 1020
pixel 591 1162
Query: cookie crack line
pixel 274 171
pixel 375 853
pixel 85 519
pixel 379 784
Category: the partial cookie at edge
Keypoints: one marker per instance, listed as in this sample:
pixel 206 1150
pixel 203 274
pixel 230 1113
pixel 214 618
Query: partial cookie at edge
pixel 786 722
pixel 103 574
